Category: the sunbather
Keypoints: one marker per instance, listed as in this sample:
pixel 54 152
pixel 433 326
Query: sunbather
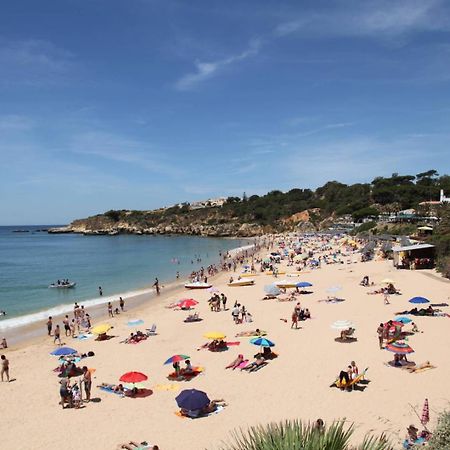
pixel 112 387
pixel 255 365
pixel 236 362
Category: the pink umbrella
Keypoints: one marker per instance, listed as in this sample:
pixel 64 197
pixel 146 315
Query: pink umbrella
pixel 425 413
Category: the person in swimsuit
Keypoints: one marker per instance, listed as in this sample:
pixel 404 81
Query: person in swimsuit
pixel 57 335
pixel 66 325
pixel 64 392
pixel 49 326
pixel 87 381
pixel 4 344
pixel 5 368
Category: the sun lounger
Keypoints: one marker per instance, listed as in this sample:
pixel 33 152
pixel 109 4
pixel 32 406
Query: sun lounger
pixel 151 331
pixel 352 382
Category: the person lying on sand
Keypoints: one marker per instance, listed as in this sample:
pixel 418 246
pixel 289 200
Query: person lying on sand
pixel 135 446
pixel 208 409
pixel 236 362
pixel 112 387
pixel 256 365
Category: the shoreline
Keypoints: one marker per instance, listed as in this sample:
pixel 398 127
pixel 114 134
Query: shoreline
pixel 24 334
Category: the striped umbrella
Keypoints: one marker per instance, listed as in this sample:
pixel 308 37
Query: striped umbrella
pixel 425 413
pixel 342 325
pixel 176 358
pixel 400 348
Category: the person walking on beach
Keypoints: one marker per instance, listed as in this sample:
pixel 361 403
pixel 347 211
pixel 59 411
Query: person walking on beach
pixel 5 368
pixel 110 310
pixel 87 382
pixel 100 291
pixel 66 325
pixel 294 319
pixel 380 332
pixel 49 325
pixel 224 301
pixel 121 303
pixel 4 344
pixel 156 286
pixel 57 335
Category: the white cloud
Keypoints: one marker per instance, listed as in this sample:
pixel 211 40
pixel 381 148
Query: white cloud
pixel 122 149
pixel 12 122
pixel 206 70
pixel 370 18
pixel 32 61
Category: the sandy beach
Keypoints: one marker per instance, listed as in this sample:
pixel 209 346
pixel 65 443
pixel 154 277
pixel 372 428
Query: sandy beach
pixel 294 385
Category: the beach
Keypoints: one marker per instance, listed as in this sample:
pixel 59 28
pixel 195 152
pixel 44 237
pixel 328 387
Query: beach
pixel 296 384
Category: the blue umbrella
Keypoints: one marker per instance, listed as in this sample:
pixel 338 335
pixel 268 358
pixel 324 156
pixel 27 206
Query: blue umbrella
pixel 135 322
pixel 271 289
pixel 262 342
pixel 63 351
pixel 191 399
pixel 403 319
pixel 419 300
pixel 303 284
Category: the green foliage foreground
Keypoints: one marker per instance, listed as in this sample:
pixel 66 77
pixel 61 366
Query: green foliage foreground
pixel 296 435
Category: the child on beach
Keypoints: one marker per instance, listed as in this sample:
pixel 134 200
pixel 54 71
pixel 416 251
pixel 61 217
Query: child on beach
pixel 76 396
pixel 57 336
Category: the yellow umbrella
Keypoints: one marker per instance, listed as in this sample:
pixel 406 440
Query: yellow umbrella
pixel 101 329
pixel 214 335
pixel 387 281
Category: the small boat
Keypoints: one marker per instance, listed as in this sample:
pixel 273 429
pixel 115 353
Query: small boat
pixel 244 282
pixel 68 285
pixel 285 284
pixel 197 285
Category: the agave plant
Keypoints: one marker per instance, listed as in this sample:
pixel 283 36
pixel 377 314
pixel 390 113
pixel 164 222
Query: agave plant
pixel 295 435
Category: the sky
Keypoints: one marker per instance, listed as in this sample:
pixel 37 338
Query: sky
pixel 139 104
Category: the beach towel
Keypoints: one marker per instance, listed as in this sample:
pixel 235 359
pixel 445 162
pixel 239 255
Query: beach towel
pixel 110 391
pixel 217 411
pixel 84 336
pixel 186 376
pixel 242 364
pixel 166 387
pixel 233 343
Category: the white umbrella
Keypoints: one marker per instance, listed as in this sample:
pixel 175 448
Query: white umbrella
pixel 342 325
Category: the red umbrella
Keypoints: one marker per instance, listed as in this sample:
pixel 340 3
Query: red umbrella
pixel 187 303
pixel 133 377
pixel 425 413
pixel 399 347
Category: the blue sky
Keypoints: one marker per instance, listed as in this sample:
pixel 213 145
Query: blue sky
pixel 136 104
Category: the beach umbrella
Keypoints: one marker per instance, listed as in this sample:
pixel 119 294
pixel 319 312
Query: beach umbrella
pixel 101 329
pixel 404 320
pixel 262 342
pixel 187 303
pixel 176 358
pixel 63 351
pixel 133 377
pixel 135 322
pixel 387 281
pixel 212 289
pixel 334 289
pixel 400 348
pixel 271 289
pixel 396 323
pixel 425 413
pixel 303 284
pixel 342 325
pixel 214 335
pixel 192 399
pixel 419 300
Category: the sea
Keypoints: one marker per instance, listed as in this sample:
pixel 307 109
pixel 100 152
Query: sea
pixel 32 259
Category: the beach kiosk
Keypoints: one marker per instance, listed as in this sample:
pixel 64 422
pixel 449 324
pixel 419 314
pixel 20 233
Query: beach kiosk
pixel 417 256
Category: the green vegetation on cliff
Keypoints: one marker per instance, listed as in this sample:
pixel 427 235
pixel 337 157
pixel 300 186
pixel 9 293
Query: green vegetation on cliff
pixel 270 211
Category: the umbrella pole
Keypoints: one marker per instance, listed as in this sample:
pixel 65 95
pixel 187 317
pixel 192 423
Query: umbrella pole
pixel 420 418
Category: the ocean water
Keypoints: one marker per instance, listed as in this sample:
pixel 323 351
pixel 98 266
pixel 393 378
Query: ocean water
pixel 30 261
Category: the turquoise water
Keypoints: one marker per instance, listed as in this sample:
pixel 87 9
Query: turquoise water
pixel 30 261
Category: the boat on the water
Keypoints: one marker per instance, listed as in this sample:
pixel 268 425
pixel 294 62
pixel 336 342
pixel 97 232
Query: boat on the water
pixel 197 285
pixel 66 285
pixel 242 282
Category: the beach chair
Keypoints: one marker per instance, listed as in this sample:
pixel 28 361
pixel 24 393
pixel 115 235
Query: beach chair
pixel 352 382
pixel 152 331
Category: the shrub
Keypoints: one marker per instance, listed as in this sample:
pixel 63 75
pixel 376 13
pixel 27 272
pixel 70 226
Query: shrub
pixel 440 440
pixel 295 435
